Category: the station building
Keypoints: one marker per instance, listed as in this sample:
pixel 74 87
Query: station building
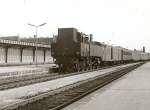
pixel 15 51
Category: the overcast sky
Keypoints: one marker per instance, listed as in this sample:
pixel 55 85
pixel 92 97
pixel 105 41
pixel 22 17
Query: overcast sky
pixel 118 22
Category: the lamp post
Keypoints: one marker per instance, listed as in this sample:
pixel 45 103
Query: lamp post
pixel 36 32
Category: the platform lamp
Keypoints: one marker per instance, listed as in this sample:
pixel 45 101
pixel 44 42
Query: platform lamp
pixel 36 32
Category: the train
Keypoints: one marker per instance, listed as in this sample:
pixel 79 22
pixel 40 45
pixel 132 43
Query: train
pixel 75 51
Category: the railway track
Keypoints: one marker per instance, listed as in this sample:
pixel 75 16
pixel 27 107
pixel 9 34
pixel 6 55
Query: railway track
pixel 62 98
pixel 32 79
pixel 23 81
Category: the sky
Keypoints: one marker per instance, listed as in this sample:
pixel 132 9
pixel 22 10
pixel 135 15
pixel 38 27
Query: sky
pixel 123 23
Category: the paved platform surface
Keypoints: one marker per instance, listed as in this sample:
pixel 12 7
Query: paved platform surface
pixel 130 92
pixel 17 94
pixel 17 71
pixel 24 67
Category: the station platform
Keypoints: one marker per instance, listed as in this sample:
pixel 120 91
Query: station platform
pixel 130 92
pixel 24 67
pixel 15 71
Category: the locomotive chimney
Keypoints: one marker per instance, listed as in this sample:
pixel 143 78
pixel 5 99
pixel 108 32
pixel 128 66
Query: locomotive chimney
pixel 143 49
pixel 91 37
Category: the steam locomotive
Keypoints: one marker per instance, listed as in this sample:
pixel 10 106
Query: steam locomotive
pixel 75 51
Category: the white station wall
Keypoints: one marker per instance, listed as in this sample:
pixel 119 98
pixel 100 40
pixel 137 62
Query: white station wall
pixel 13 55
pixel 40 56
pixel 27 56
pixel 48 57
pixel 2 55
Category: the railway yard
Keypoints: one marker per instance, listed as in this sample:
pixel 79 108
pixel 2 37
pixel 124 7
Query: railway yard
pixel 75 55
pixel 63 74
pixel 55 91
